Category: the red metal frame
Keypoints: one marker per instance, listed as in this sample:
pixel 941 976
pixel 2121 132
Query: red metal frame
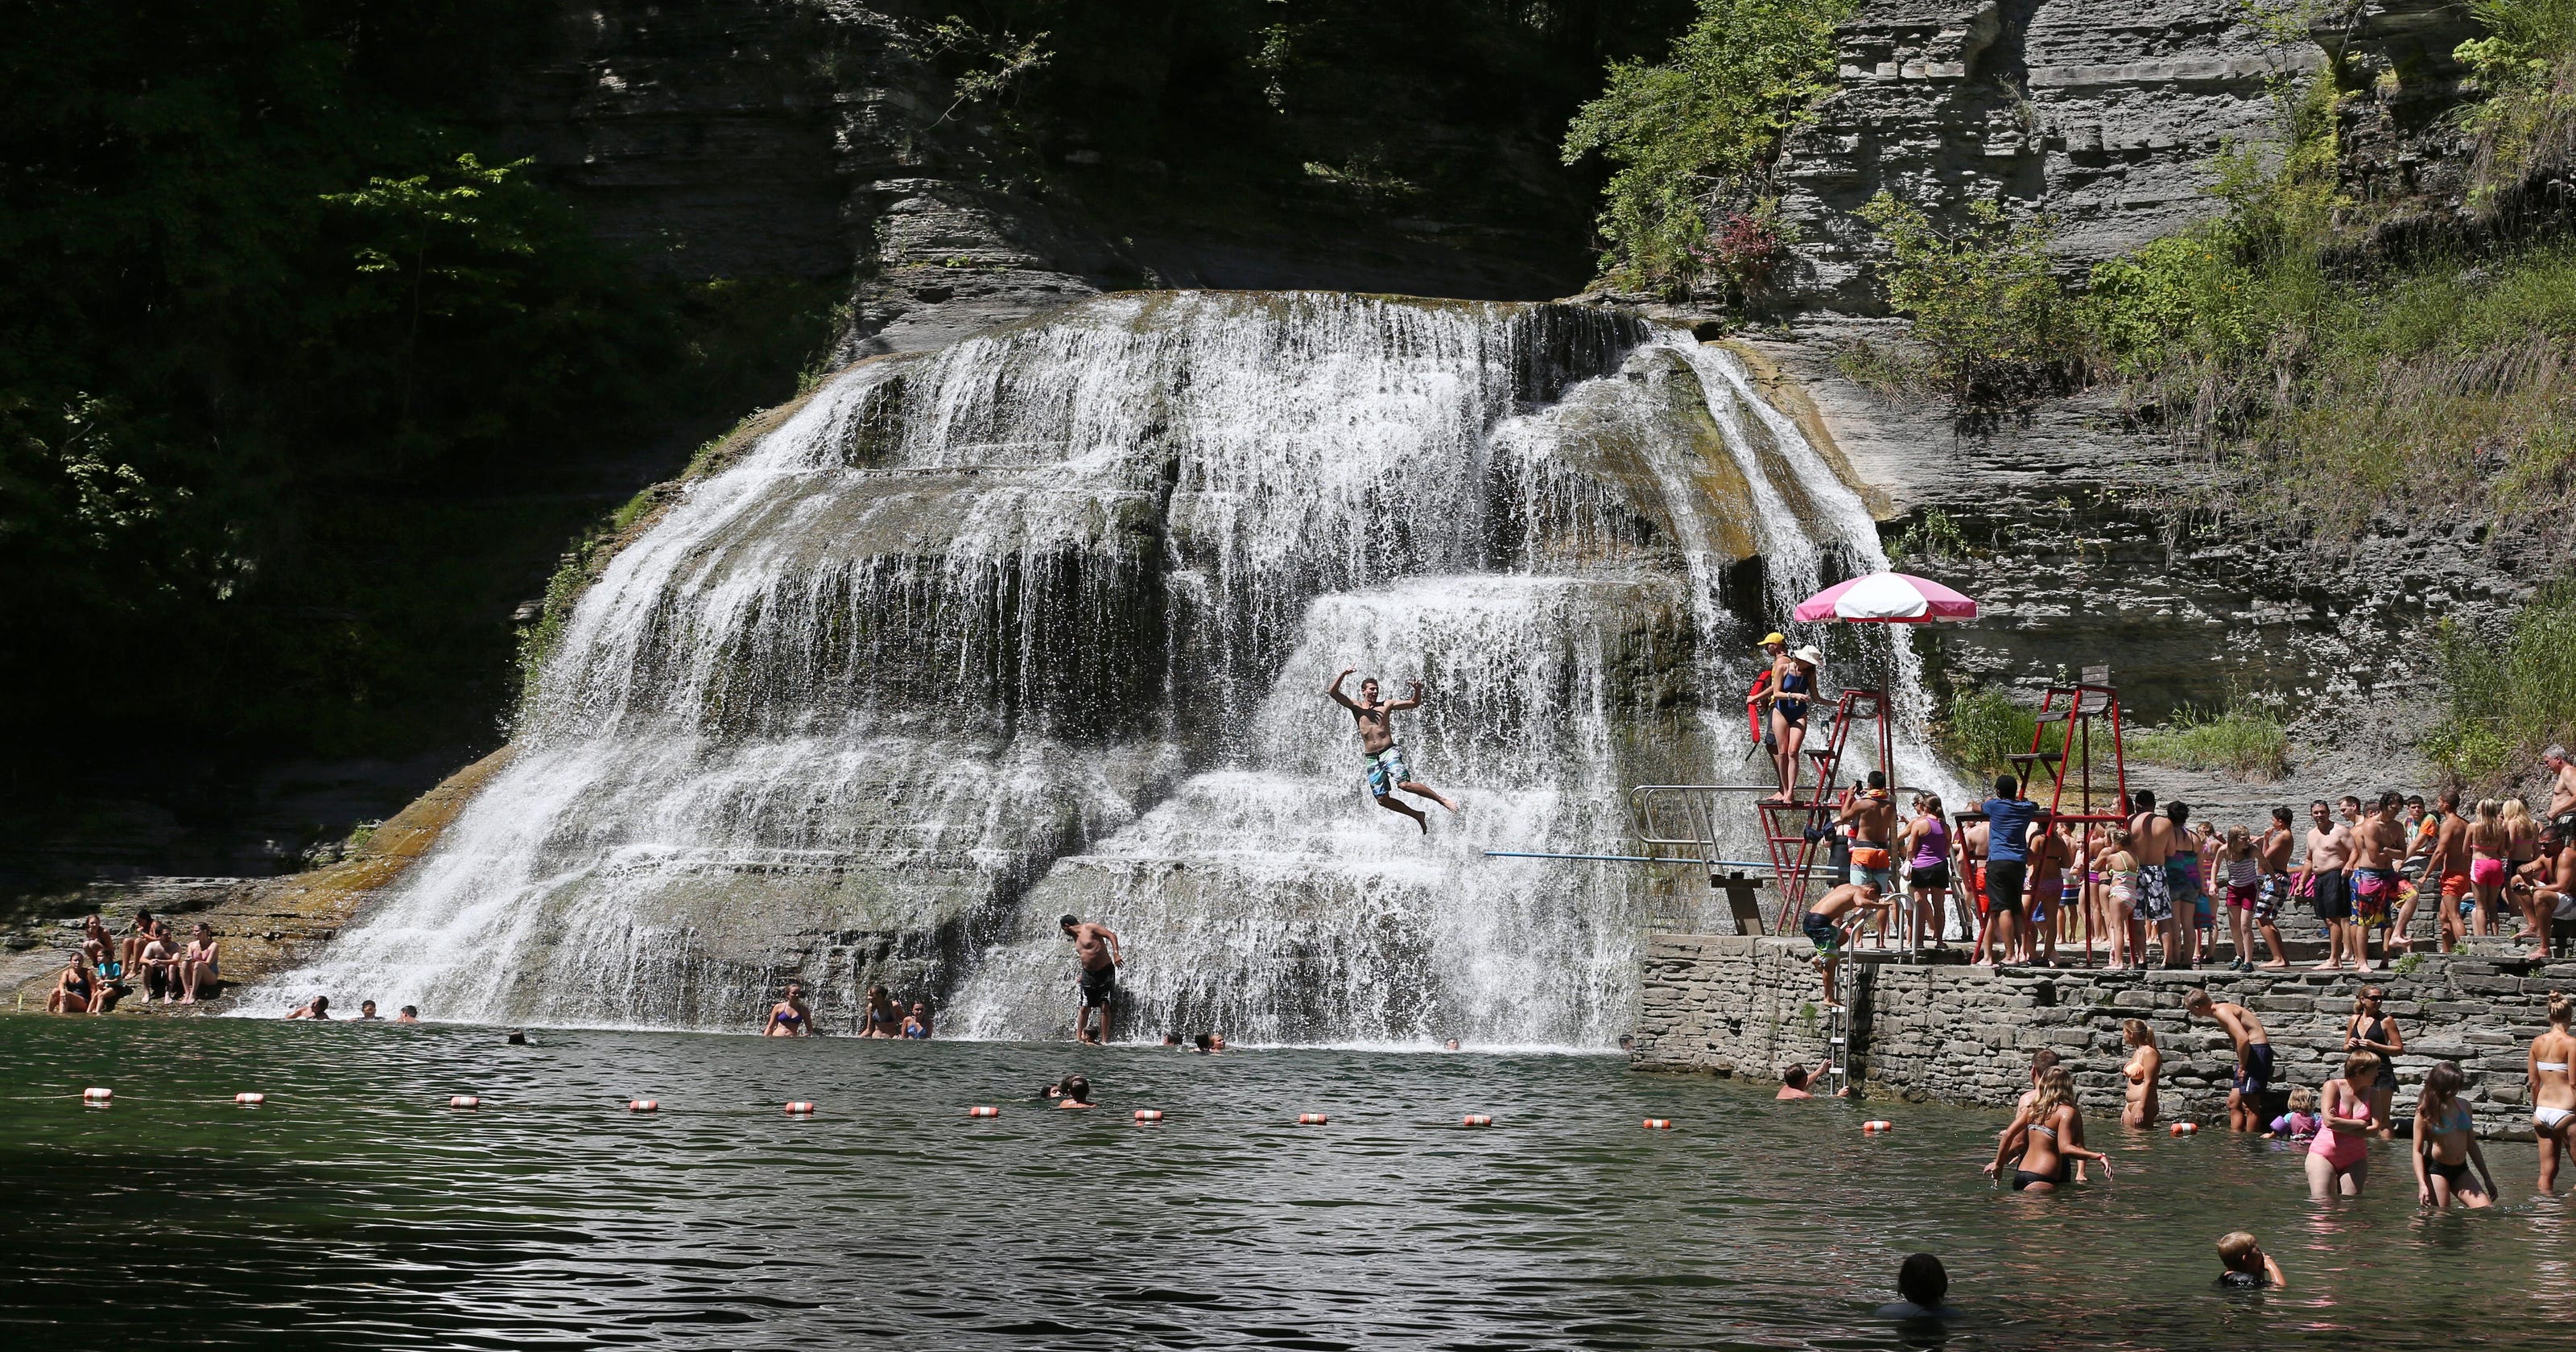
pixel 1785 825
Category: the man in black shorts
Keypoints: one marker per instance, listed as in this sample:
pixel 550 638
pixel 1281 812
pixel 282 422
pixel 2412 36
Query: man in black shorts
pixel 2248 1091
pixel 1097 946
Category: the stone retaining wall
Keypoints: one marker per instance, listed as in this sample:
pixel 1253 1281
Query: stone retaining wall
pixel 1733 1005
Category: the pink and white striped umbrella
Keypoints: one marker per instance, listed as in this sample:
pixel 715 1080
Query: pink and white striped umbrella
pixel 1887 598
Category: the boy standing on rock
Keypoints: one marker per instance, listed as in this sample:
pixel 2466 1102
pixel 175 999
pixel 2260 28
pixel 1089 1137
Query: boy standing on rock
pixel 2253 1057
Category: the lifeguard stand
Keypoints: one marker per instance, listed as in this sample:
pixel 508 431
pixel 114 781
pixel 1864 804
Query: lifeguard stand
pixel 1793 830
pixel 2067 715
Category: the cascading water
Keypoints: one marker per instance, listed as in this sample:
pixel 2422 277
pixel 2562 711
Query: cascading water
pixel 1041 622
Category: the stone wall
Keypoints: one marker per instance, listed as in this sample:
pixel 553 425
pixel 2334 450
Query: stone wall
pixel 1951 1033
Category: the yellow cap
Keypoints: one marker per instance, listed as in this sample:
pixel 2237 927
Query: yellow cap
pixel 1769 639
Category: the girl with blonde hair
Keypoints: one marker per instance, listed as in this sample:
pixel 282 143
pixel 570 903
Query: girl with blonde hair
pixel 2056 1137
pixel 2488 846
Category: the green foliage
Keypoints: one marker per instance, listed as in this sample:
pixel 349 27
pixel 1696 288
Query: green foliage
pixel 1692 137
pixel 2526 67
pixel 2511 698
pixel 2248 743
pixel 1932 535
pixel 291 372
pixel 1985 306
pixel 1982 727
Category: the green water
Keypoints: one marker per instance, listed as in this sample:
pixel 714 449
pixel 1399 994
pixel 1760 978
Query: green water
pixel 357 1210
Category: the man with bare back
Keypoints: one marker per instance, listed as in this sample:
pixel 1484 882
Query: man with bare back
pixel 1096 945
pixel 2153 838
pixel 1387 771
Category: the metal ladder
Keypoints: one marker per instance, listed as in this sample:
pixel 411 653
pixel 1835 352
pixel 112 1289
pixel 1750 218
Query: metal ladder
pixel 1838 1028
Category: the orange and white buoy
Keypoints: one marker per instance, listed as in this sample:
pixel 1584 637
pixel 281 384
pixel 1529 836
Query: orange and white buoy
pixel 464 1101
pixel 981 1111
pixel 1476 1120
pixel 1876 1125
pixel 97 1095
pixel 2186 1129
pixel 643 1105
pixel 1659 1124
pixel 800 1108
pixel 1312 1120
pixel 1149 1114
pixel 250 1100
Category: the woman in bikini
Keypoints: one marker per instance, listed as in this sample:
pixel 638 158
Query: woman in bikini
pixel 2553 1093
pixel 2371 1030
pixel 2488 846
pixel 2446 1145
pixel 2145 1064
pixel 1793 684
pixel 790 1017
pixel 2056 1137
pixel 1927 847
pixel 2339 1158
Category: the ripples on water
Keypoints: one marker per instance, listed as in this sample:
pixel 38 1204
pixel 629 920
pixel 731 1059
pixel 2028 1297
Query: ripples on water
pixel 356 1210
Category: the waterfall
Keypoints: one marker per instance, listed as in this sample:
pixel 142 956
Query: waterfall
pixel 1041 622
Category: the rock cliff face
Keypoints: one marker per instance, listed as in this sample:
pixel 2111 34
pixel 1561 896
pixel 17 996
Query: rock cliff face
pixel 1160 145
pixel 2107 115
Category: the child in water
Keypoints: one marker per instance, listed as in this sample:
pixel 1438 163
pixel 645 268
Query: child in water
pixel 2301 1122
pixel 2246 1265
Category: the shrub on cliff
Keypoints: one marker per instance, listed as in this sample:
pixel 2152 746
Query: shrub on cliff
pixel 2510 694
pixel 1693 137
pixel 1989 314
pixel 2526 67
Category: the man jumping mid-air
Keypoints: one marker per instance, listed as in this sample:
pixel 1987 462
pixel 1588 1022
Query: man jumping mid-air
pixel 1387 771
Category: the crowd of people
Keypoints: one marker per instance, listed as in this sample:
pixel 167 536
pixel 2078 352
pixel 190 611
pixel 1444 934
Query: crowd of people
pixel 104 970
pixel 880 1016
pixel 2150 889
pixel 2043 1145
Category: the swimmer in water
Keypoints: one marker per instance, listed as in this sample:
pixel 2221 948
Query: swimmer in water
pixel 1077 1093
pixel 2246 1265
pixel 2253 1082
pixel 789 1017
pixel 1923 1284
pixel 2055 1137
pixel 367 1012
pixel 2446 1145
pixel 2553 1089
pixel 319 1007
pixel 2144 1065
pixel 1794 1081
pixel 1204 1044
pixel 2339 1158
pixel 916 1025
pixel 1379 754
pixel 880 1018
pixel 1450 1046
pixel 409 1014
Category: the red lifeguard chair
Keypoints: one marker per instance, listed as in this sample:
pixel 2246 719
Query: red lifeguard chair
pixel 2067 715
pixel 1793 831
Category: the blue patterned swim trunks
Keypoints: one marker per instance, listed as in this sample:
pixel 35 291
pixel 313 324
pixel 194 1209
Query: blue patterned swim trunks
pixel 1386 769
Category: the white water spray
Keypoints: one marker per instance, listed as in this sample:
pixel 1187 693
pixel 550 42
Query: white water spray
pixel 1041 622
